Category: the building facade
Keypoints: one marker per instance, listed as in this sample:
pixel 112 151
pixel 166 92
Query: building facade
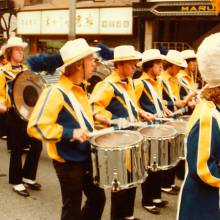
pixel 143 23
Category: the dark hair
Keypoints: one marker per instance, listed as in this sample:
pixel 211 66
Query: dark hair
pixel 147 65
pixel 167 64
pixel 2 58
pixel 190 59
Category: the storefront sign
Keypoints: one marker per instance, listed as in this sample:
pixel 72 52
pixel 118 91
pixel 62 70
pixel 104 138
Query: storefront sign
pixel 29 22
pixel 88 21
pixel 175 8
pixel 116 21
pixel 54 22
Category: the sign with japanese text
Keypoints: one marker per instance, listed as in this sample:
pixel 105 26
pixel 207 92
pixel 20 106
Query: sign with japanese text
pixel 112 21
pixel 87 21
pixel 116 21
pixel 29 22
pixel 54 22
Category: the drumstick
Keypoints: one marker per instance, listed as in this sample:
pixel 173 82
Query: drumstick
pixel 100 132
pixel 164 119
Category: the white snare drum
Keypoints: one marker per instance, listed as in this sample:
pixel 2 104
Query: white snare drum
pixel 118 159
pixel 180 126
pixel 159 145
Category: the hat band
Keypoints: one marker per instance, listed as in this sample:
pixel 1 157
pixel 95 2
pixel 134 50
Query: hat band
pixel 125 57
pixel 77 55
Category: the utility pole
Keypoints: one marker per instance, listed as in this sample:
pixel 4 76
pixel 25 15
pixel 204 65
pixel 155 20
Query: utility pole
pixel 72 16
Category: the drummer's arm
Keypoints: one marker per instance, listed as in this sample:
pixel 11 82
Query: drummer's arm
pixel 42 124
pixel 139 89
pixel 100 99
pixel 146 116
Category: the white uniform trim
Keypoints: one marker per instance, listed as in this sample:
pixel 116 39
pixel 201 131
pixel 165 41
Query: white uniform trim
pixel 129 102
pixel 156 99
pixel 80 113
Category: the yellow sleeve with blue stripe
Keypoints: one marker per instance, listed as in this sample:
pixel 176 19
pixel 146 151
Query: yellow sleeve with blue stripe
pixel 101 97
pixel 203 148
pixel 43 121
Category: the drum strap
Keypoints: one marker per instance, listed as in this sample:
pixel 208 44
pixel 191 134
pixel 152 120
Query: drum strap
pixel 186 85
pixel 156 99
pixel 80 113
pixel 8 73
pixel 129 102
pixel 173 98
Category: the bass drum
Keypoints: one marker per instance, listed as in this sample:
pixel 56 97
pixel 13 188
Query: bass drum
pixel 26 89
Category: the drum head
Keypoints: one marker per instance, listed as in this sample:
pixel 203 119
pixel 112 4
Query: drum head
pixel 179 125
pixel 117 139
pixel 158 131
pixel 26 89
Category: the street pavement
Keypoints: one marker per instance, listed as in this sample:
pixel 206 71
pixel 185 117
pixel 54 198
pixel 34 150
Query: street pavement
pixel 46 204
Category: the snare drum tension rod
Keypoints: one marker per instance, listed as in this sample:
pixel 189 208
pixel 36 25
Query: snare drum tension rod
pixel 115 183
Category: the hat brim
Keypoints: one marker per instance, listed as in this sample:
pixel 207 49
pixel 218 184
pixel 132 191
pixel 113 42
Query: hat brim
pixel 161 57
pixel 6 46
pixel 124 59
pixel 79 57
pixel 175 62
pixel 190 57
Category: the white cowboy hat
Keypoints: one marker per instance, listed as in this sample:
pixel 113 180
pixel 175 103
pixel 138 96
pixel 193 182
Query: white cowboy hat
pixel 175 57
pixel 13 42
pixel 188 54
pixel 208 60
pixel 125 53
pixel 151 54
pixel 75 50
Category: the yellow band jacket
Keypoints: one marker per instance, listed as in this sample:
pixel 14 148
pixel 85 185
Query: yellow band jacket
pixel 54 119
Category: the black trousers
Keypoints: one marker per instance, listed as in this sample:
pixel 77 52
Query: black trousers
pixel 122 203
pixel 17 139
pixel 168 177
pixel 151 188
pixel 180 169
pixel 3 117
pixel 76 178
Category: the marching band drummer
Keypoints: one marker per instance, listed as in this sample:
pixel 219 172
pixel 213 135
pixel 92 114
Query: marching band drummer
pixel 148 89
pixel 176 100
pixel 187 75
pixel 199 197
pixel 19 176
pixel 114 98
pixel 63 118
pixel 172 88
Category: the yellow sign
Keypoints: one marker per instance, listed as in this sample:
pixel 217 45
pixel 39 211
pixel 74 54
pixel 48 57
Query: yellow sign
pixel 197 8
